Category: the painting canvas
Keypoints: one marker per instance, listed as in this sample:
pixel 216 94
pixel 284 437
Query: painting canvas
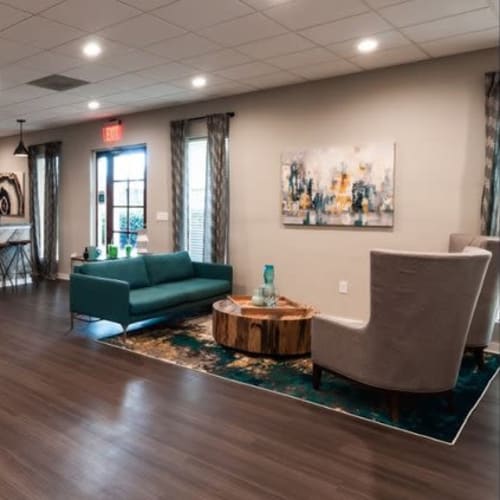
pixel 11 194
pixel 339 186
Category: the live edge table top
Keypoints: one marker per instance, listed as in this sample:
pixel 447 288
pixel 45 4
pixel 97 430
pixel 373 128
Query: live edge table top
pixel 284 330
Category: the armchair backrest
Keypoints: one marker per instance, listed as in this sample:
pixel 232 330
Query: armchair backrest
pixel 421 309
pixel 486 313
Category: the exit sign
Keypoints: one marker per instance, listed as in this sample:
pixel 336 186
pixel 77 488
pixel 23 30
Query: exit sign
pixel 112 132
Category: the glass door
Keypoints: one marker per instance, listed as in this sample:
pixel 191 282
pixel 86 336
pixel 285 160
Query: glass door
pixel 121 196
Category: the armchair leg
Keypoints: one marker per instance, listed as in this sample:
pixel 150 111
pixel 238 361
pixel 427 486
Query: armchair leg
pixel 450 401
pixel 479 356
pixel 125 328
pixel 393 399
pixel 317 371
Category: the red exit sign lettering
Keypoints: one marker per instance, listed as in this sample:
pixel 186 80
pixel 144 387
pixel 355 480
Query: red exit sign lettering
pixel 112 132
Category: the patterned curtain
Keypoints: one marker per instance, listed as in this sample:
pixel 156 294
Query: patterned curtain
pixel 45 243
pixel 51 215
pixel 36 237
pixel 216 234
pixel 490 215
pixel 179 184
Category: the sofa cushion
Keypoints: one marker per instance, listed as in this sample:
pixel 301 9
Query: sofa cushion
pixel 168 267
pixel 132 270
pixel 201 288
pixel 155 298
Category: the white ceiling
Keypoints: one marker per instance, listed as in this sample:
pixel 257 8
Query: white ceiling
pixel 152 48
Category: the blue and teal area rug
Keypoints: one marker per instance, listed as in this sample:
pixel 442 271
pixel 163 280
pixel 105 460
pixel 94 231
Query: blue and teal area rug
pixel 189 343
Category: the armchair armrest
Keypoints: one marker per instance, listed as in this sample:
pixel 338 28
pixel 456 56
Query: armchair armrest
pixel 213 271
pixel 336 339
pixel 100 297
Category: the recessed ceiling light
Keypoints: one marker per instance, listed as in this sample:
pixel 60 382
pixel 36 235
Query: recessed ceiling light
pixel 367 45
pixel 199 81
pixel 92 49
pixel 94 105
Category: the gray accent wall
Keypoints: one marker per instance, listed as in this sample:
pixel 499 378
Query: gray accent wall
pixel 432 110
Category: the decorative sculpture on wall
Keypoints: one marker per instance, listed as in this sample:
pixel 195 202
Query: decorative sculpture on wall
pixel 12 194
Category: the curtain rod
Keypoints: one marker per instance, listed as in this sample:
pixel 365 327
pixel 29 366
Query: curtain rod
pixel 204 117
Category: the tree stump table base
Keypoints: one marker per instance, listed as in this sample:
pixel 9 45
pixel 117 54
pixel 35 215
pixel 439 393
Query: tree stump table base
pixel 268 334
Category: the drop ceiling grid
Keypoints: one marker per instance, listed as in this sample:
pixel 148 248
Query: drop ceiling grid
pixel 405 28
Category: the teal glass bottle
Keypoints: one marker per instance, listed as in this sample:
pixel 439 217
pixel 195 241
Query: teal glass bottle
pixel 269 274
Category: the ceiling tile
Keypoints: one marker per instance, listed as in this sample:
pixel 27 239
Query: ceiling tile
pixel 218 60
pixel 185 83
pixel 133 60
pixel 391 57
pixel 147 5
pixel 247 70
pixel 90 15
pixel 21 93
pixel 387 40
pixel 92 72
pixel 141 31
pixel 13 51
pixel 33 6
pixel 421 11
pixel 41 32
pixel 16 74
pixel 273 80
pixel 50 62
pixel 377 4
pixel 166 72
pixel 74 48
pixel 352 27
pixel 193 14
pixel 462 43
pixel 184 46
pixel 243 30
pixel 265 4
pixel 301 14
pixel 303 58
pixel 10 16
pixel 477 20
pixel 325 70
pixel 57 99
pixel 276 46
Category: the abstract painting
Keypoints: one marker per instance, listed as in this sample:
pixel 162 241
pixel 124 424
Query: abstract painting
pixel 12 194
pixel 339 186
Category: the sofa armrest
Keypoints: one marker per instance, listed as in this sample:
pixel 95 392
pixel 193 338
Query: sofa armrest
pixel 213 271
pixel 100 297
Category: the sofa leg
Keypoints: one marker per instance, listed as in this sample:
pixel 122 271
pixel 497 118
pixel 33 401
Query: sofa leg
pixel 317 371
pixel 124 333
pixel 479 356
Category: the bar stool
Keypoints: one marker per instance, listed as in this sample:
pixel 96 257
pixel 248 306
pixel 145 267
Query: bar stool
pixel 4 245
pixel 20 258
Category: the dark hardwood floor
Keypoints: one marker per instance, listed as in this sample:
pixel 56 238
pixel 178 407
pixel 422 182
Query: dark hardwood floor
pixel 80 420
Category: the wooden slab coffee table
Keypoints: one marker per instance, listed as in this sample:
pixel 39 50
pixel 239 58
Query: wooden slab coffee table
pixel 284 330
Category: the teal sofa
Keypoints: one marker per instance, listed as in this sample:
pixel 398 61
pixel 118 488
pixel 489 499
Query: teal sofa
pixel 129 290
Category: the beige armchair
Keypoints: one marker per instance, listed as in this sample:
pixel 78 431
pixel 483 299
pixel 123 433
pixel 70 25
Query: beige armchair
pixel 421 309
pixel 483 322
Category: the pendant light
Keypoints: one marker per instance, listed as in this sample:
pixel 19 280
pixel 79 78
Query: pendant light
pixel 21 150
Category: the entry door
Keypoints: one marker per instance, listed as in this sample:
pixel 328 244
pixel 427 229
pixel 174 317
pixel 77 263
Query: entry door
pixel 121 196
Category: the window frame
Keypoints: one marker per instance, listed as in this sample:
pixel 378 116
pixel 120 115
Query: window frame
pixel 110 154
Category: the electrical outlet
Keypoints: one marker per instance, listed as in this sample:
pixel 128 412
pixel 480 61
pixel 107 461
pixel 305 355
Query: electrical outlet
pixel 343 286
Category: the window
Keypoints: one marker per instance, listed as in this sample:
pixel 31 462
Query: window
pixel 121 196
pixel 195 207
pixel 40 167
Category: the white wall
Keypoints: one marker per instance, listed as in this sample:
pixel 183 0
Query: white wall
pixel 433 110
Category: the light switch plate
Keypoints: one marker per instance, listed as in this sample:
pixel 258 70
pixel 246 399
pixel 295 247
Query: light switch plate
pixel 343 286
pixel 161 216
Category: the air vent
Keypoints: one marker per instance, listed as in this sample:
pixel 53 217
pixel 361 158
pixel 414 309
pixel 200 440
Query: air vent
pixel 58 83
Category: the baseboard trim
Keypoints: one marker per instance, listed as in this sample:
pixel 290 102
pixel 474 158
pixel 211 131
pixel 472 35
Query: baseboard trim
pixel 63 276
